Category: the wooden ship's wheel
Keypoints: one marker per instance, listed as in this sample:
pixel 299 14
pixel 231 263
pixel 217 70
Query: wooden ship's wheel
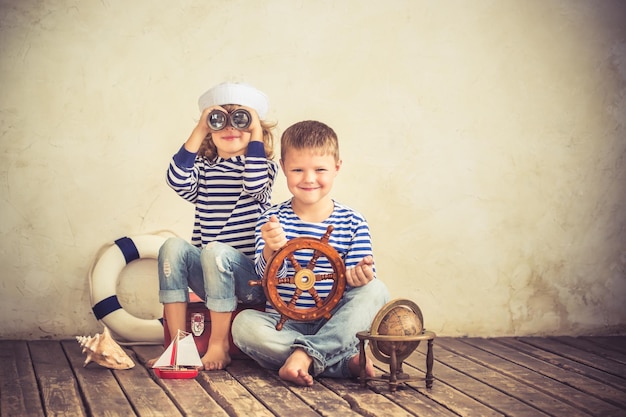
pixel 304 279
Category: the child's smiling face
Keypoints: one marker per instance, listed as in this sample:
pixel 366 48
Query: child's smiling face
pixel 310 175
pixel 230 142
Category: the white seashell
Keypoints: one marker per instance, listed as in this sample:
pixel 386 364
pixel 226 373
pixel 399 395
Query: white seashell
pixel 104 350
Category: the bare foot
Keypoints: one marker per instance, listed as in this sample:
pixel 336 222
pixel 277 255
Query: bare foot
pixel 296 369
pixel 216 358
pixel 355 367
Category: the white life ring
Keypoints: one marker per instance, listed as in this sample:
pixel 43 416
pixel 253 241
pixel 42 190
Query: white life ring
pixel 104 277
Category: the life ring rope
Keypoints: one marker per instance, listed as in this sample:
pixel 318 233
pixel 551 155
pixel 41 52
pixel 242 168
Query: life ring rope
pixel 104 274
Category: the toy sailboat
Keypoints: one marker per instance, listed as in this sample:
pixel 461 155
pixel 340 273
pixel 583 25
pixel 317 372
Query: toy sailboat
pixel 180 360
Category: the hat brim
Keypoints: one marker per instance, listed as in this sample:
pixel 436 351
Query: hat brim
pixel 235 93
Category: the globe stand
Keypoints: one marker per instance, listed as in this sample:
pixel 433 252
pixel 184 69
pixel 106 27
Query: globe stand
pixel 394 349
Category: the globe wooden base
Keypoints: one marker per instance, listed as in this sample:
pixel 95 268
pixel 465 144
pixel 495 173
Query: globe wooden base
pixel 396 376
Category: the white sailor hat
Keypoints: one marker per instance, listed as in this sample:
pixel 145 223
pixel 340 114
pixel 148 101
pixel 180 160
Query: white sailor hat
pixel 235 93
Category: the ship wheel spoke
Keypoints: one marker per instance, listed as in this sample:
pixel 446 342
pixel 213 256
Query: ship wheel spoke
pixel 324 239
pixel 313 261
pixel 316 297
pixel 294 262
pixel 285 280
pixel 323 277
pixel 296 294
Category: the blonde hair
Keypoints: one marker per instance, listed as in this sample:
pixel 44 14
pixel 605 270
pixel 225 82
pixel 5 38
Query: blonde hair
pixel 209 150
pixel 310 134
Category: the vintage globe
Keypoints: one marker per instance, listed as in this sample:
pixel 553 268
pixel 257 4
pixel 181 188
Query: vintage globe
pixel 399 317
pixel 399 321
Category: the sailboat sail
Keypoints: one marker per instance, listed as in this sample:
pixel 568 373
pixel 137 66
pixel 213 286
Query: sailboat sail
pixel 181 353
pixel 168 358
pixel 188 352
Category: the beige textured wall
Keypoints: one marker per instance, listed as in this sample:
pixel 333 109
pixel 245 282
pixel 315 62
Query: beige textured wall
pixel 485 144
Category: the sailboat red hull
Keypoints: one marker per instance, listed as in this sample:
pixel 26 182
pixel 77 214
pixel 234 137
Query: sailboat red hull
pixel 180 373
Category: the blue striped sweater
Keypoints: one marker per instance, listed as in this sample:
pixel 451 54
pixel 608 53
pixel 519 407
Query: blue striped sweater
pixel 229 194
pixel 350 238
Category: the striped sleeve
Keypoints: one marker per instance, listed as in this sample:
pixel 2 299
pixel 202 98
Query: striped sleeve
pixel 182 175
pixel 259 173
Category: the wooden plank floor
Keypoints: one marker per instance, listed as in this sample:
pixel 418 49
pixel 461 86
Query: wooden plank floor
pixel 526 376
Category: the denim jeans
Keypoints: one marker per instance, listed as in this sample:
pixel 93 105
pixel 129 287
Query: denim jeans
pixel 330 343
pixel 218 274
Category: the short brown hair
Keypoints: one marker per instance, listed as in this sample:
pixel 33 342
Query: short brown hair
pixel 310 134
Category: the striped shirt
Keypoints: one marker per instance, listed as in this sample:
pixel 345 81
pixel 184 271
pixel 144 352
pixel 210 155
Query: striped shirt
pixel 350 238
pixel 229 194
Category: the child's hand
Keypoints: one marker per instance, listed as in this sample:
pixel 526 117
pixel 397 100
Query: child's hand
pixel 273 235
pixel 362 273
pixel 200 131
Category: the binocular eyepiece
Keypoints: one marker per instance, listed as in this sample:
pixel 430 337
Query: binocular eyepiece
pixel 239 119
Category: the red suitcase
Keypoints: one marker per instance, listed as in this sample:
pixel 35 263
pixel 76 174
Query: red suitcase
pixel 199 324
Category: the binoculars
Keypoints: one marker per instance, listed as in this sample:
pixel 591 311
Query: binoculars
pixel 239 119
